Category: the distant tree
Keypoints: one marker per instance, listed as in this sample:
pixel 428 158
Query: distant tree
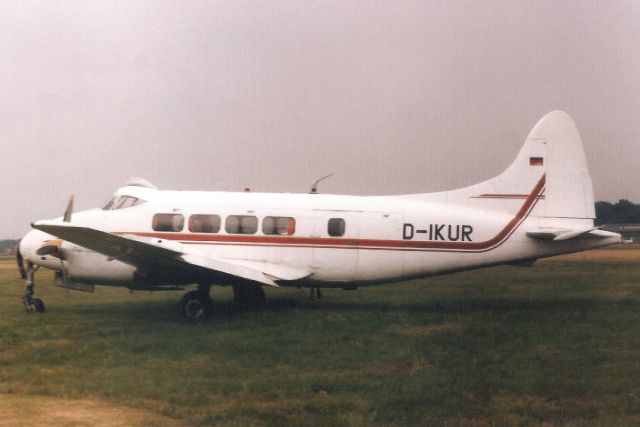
pixel 622 212
pixel 604 213
pixel 8 247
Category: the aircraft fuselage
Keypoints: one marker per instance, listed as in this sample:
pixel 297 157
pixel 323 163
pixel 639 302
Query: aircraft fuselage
pixel 339 240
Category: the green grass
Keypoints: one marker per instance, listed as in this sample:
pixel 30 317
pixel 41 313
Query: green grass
pixel 557 344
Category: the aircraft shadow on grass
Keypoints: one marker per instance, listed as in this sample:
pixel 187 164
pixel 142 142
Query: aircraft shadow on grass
pixel 227 309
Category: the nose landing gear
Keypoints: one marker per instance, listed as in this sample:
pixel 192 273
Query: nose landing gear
pixel 30 303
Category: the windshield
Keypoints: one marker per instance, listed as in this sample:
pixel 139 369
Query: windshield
pixel 121 202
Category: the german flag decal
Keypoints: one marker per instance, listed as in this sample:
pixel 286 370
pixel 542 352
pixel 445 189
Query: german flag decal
pixel 536 161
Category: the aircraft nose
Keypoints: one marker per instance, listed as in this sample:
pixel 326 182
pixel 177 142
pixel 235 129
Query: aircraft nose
pixel 41 249
pixel 29 244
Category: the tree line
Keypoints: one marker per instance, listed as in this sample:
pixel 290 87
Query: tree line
pixel 622 212
pixel 8 247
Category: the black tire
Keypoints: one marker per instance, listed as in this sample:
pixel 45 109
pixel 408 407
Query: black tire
pixel 195 305
pixel 38 305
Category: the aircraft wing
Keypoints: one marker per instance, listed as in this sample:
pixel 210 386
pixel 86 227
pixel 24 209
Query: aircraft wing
pixel 152 254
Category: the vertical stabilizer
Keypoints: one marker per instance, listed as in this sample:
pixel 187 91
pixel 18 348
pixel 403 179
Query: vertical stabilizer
pixel 553 148
pixel 569 192
pixel 551 168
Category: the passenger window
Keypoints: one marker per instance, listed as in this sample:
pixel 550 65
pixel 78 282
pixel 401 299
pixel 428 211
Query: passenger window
pixel 168 222
pixel 241 224
pixel 336 227
pixel 204 223
pixel 278 225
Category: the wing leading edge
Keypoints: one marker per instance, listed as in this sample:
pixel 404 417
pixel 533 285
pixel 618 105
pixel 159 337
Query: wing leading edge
pixel 151 254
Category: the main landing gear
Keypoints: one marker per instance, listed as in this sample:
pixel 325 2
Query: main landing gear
pixel 198 304
pixel 30 303
pixel 195 305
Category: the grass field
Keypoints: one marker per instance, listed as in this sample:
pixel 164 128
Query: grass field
pixel 557 344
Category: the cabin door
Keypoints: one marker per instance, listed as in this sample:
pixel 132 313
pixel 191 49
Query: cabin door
pixel 378 258
pixel 335 254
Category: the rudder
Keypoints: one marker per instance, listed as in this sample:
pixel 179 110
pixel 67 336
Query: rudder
pixel 554 150
pixel 569 191
pixel 552 155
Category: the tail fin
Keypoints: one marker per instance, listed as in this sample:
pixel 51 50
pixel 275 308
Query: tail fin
pixel 553 156
pixel 553 148
pixel 569 192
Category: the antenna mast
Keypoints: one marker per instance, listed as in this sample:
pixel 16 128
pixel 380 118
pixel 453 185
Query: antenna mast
pixel 314 186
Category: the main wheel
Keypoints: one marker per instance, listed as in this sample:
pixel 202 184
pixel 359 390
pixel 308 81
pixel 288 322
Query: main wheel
pixel 195 305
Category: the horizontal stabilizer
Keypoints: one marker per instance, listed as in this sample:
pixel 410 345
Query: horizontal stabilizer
pixel 561 234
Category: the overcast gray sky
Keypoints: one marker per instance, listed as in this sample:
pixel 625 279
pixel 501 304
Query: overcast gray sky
pixel 393 96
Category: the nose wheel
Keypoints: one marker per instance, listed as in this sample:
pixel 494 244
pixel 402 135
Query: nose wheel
pixel 33 305
pixel 30 303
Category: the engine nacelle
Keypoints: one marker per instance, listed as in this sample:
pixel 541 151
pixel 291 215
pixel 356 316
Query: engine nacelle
pixel 90 267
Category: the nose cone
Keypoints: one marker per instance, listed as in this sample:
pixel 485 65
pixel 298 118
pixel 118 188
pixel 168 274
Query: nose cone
pixel 29 245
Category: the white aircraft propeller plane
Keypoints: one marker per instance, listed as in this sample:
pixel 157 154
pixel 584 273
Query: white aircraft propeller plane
pixel 147 239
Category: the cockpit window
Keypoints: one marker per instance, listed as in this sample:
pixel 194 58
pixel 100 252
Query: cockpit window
pixel 121 202
pixel 108 204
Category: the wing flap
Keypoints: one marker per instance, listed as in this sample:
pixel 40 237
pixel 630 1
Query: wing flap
pixel 228 268
pixel 277 271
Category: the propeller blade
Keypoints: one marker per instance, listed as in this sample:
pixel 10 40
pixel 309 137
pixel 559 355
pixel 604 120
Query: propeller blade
pixel 69 211
pixel 20 260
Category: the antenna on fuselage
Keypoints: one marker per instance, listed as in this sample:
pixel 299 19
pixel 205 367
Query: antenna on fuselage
pixel 314 186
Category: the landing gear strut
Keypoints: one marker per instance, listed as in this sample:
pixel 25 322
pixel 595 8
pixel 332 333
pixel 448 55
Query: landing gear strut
pixel 30 303
pixel 198 304
pixel 195 305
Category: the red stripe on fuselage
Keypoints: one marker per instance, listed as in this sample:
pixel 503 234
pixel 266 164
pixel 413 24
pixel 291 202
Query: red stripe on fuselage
pixel 364 244
pixel 505 196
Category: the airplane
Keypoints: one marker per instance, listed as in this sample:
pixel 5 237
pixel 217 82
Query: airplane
pixel 148 239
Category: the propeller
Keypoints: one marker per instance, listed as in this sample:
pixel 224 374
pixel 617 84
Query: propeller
pixel 54 247
pixel 69 211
